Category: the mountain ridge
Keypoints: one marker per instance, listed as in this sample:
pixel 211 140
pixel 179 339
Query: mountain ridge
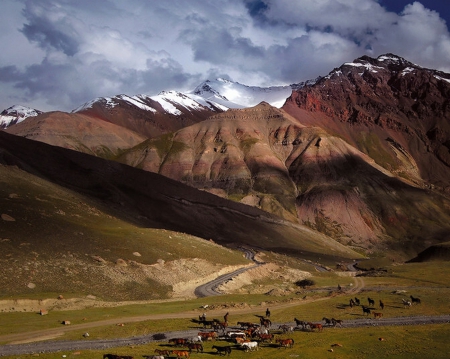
pixel 360 155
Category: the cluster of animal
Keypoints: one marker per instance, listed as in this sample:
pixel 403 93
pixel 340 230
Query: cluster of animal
pixel 249 336
pixel 367 310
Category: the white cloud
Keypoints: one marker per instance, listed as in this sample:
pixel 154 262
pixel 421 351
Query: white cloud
pixel 61 53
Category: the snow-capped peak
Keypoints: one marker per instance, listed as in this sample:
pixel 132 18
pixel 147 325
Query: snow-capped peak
pixel 16 114
pixel 242 95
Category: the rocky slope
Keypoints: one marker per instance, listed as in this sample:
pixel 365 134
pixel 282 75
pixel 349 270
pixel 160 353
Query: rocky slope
pixel 78 132
pixel 396 112
pixel 264 157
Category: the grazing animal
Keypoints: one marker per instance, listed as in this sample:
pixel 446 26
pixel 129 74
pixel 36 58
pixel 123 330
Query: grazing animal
pixel 115 356
pixel 267 313
pixel 366 310
pixel 225 317
pixel 178 341
pixel 337 322
pixel 196 339
pixel 286 328
pixel 327 321
pixel 406 303
pixel 371 301
pixel 415 300
pixel 250 346
pixel 245 324
pixel 351 303
pixel 222 350
pixel 357 301
pixel 208 323
pixel 377 315
pixel 381 304
pixel 265 322
pixel 236 334
pixel 207 335
pixel 317 326
pixel 181 353
pixel 286 343
pixel 263 337
pixel 300 323
pixel 194 346
pixel 164 353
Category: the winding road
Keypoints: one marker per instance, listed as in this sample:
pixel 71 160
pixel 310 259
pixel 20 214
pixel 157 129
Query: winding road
pixel 39 341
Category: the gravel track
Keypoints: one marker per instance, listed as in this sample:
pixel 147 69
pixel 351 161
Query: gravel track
pixel 74 345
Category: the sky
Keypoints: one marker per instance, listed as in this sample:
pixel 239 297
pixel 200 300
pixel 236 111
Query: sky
pixel 59 54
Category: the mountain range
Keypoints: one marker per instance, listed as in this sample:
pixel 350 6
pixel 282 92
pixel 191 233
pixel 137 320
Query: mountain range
pixel 359 158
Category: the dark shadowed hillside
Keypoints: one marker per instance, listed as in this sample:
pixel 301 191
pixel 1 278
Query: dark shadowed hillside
pixel 59 204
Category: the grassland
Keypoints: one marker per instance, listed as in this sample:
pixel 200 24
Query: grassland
pixel 429 281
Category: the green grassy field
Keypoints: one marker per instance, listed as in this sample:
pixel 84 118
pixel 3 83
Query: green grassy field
pixel 425 280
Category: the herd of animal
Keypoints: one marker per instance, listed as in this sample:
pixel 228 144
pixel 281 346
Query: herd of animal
pixel 367 310
pixel 250 336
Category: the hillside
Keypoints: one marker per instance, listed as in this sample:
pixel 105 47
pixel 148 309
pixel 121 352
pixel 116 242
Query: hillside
pixel 264 157
pixel 82 219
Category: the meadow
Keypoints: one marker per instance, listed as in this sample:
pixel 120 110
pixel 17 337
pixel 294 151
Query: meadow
pixel 429 281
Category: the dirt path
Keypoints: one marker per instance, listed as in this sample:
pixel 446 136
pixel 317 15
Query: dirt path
pixel 38 341
pixel 46 334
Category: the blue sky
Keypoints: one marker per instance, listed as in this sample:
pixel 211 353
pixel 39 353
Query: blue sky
pixel 58 54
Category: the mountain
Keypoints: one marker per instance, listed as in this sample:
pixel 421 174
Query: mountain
pixel 73 222
pixel 78 132
pixel 264 157
pixel 360 155
pixel 242 96
pixel 16 114
pixel 396 112
pixel 170 111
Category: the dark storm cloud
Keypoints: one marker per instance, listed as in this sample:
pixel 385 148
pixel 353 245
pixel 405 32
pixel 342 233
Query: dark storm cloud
pixel 59 54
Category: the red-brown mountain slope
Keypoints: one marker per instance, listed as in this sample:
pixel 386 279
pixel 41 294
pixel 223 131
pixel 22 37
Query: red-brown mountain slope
pixel 264 157
pixel 396 112
pixel 78 132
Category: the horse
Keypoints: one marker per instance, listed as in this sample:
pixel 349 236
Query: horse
pixel 406 303
pixel 181 353
pixel 265 322
pixel 264 337
pixel 225 317
pixel 245 324
pixel 351 303
pixel 164 353
pixel 337 322
pixel 327 321
pixel 317 326
pixel 415 300
pixel 194 346
pixel 208 323
pixel 220 325
pixel 267 313
pixel 207 335
pixel 286 343
pixel 286 328
pixel 178 341
pixel 377 315
pixel 357 301
pixel 371 301
pixel 366 310
pixel 301 323
pixel 222 350
pixel 381 304
pixel 250 346
pixel 236 335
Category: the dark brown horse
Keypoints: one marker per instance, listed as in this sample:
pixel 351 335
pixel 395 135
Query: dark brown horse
pixel 194 346
pixel 222 350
